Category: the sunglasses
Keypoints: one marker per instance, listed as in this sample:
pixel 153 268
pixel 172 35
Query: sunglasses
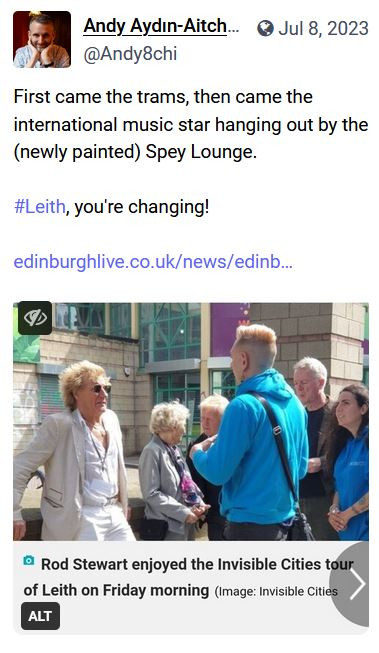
pixel 98 387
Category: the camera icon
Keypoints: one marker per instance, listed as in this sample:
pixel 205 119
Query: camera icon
pixel 28 560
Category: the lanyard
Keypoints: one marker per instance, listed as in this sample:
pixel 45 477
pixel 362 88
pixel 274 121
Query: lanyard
pixel 100 457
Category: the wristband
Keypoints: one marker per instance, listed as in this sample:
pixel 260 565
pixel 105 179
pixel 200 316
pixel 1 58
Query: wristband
pixel 333 508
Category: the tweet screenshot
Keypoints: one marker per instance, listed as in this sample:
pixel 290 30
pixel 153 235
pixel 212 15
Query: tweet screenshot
pixel 188 286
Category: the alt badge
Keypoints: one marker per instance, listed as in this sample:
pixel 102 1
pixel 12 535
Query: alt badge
pixel 40 616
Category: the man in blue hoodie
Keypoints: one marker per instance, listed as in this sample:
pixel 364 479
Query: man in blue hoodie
pixel 255 499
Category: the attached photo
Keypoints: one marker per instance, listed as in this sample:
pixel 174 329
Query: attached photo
pixel 191 421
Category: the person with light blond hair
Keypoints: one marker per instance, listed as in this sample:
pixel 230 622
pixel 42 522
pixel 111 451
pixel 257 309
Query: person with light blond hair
pixel 256 500
pixel 211 411
pixel 85 490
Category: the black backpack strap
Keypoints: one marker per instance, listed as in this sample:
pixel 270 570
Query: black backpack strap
pixel 277 433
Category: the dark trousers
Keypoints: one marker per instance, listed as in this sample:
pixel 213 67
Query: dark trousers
pixel 216 531
pixel 252 531
pixel 316 509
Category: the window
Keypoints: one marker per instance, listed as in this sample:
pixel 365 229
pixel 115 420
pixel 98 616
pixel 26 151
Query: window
pixel 169 332
pixel 223 382
pixel 89 318
pixel 184 386
pixel 120 320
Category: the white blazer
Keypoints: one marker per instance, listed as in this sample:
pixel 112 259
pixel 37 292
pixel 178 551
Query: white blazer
pixel 59 446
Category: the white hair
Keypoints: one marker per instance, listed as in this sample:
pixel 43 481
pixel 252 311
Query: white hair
pixel 315 366
pixel 168 416
pixel 217 402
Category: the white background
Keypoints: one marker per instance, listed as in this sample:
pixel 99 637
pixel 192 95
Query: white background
pixel 307 198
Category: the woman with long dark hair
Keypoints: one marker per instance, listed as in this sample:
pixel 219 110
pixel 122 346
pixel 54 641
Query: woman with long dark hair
pixel 348 514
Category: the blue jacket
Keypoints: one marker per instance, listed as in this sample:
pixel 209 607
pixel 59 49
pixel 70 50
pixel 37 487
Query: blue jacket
pixel 244 458
pixel 351 478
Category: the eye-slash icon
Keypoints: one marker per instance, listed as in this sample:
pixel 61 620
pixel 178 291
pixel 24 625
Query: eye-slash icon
pixel 35 318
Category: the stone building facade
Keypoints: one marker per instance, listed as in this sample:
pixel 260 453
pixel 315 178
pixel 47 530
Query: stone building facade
pixel 333 333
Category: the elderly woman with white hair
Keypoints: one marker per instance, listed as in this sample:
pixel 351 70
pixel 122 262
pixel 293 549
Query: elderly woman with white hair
pixel 173 502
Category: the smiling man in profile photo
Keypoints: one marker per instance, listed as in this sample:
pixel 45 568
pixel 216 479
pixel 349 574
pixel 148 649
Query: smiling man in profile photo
pixel 41 51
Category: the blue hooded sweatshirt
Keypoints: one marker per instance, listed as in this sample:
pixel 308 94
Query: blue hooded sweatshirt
pixel 244 458
pixel 351 478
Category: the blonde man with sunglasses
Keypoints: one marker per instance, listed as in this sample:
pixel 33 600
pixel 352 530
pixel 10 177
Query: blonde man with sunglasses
pixel 85 493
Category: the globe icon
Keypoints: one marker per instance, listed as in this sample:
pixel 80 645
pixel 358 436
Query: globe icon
pixel 265 28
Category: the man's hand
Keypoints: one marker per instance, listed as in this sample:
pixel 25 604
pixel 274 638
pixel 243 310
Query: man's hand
pixel 19 529
pixel 47 55
pixel 314 465
pixel 35 56
pixel 203 446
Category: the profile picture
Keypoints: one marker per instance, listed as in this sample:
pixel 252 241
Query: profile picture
pixel 42 39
